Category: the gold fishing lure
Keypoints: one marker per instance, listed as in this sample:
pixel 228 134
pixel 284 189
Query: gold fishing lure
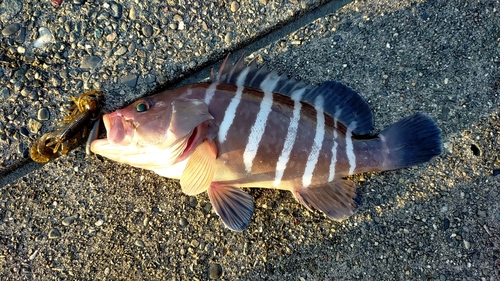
pixel 86 108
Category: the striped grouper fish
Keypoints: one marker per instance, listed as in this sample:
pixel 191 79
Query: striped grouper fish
pixel 251 127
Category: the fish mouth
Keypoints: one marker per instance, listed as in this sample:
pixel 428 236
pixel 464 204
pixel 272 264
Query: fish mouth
pixel 119 132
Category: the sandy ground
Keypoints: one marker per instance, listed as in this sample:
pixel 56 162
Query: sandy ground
pixel 87 218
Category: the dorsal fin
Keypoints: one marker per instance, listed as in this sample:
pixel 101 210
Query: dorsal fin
pixel 340 101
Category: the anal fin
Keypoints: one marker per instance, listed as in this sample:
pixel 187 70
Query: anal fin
pixel 336 199
pixel 200 169
pixel 233 205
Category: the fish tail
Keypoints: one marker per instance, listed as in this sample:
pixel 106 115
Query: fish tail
pixel 411 141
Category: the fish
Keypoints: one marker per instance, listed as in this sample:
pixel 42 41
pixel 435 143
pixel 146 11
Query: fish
pixel 251 127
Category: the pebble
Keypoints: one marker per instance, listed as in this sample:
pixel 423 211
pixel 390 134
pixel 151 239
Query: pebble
pixel 496 172
pixel 11 29
pixel 139 243
pixel 147 30
pixel 90 62
pixel 181 25
pixel 43 114
pixel 234 6
pixel 21 36
pixel 120 51
pixel 466 244
pixel 21 50
pixel 129 80
pixel 263 2
pixel 337 38
pixel 54 233
pixel 183 222
pixel 481 213
pixel 24 131
pixel 44 37
pixel 67 221
pixel 132 13
pixel 446 224
pixel 78 2
pixel 116 9
pixel 193 202
pixel 99 222
pixel 4 93
pixel 228 37
pixel 215 271
pixel 195 243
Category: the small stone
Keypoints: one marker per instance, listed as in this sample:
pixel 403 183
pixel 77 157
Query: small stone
pixel 139 243
pixel 90 62
pixel 43 114
pixel 54 233
pixel 496 172
pixel 11 29
pixel 177 18
pixel 21 36
pixel 120 51
pixel 99 222
pixel 446 224
pixel 497 216
pixel 466 244
pixel 183 222
pixel 228 37
pixel 116 9
pixel 67 221
pixel 129 80
pixel 44 37
pixel 4 93
pixel 21 50
pixel 150 78
pixel 111 37
pixel 147 30
pixel 132 13
pixel 78 2
pixel 337 38
pixel 234 6
pixel 442 277
pixel 481 213
pixel 24 131
pixel 263 2
pixel 181 25
pixel 193 202
pixel 195 243
pixel 215 271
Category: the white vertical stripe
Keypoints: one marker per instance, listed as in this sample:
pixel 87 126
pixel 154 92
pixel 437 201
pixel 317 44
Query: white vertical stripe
pixel 333 161
pixel 349 150
pixel 209 93
pixel 290 137
pixel 231 109
pixel 259 125
pixel 313 158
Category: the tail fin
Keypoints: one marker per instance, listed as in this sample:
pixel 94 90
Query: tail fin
pixel 413 140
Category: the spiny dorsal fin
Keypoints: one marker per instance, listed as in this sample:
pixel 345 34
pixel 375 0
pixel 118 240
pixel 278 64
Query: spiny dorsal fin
pixel 340 101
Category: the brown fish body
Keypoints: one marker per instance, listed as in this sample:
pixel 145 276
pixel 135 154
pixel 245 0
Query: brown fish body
pixel 250 127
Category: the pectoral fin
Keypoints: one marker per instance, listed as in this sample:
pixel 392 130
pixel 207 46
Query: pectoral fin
pixel 336 199
pixel 200 169
pixel 233 205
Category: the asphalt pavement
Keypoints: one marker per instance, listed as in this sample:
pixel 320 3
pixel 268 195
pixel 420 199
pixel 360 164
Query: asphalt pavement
pixel 84 217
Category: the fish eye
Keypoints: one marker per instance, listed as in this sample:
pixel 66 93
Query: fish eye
pixel 142 106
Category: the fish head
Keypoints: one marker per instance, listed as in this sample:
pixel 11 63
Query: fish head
pixel 151 128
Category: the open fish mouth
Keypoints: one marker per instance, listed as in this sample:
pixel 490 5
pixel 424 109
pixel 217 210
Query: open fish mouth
pixel 119 132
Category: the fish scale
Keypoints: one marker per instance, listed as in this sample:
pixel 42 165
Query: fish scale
pixel 251 127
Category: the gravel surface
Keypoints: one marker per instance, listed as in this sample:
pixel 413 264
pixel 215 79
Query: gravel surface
pixel 81 217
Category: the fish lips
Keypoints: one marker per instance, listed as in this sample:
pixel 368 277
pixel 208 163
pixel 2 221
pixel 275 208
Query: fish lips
pixel 119 131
